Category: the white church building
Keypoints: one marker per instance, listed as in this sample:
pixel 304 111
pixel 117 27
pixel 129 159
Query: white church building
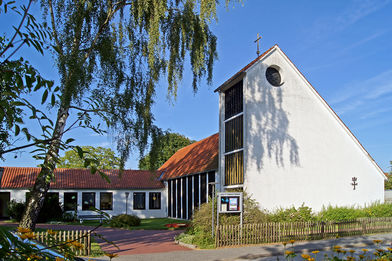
pixel 278 140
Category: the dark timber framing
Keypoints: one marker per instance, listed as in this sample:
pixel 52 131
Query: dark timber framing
pixel 185 194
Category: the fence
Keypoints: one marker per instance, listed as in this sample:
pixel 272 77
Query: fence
pixel 59 237
pixel 228 235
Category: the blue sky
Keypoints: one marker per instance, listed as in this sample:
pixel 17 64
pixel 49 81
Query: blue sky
pixel 344 49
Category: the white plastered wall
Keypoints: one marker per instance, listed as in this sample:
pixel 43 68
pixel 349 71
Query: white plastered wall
pixel 296 149
pixel 119 201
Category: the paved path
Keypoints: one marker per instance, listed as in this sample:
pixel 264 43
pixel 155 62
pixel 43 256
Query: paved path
pixel 271 252
pixel 128 242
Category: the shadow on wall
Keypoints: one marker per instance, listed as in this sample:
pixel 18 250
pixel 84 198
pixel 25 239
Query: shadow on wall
pixel 268 123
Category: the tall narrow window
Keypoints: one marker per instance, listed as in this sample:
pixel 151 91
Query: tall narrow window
pixel 178 198
pixel 106 201
pixel 196 190
pixel 233 100
pixel 234 168
pixel 155 200
pixel 169 197
pixel 234 136
pixel 70 201
pixel 88 200
pixel 139 200
pixel 183 194
pixel 203 188
pixel 174 197
pixel 190 196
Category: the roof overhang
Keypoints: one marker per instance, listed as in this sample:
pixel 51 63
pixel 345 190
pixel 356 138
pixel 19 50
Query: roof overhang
pixel 230 82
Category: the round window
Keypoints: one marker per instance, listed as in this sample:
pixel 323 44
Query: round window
pixel 273 76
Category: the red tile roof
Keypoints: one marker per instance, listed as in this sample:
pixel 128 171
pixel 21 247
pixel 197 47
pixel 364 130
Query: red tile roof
pixel 201 156
pixel 18 177
pixel 244 69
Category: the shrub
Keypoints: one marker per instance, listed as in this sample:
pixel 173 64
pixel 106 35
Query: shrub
pixel 340 213
pixel 302 214
pixel 16 209
pixel 200 226
pixel 378 210
pixel 125 221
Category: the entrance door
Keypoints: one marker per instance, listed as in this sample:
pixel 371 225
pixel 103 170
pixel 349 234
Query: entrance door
pixel 4 201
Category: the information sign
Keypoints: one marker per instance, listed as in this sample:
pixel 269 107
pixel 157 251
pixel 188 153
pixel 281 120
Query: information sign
pixel 230 202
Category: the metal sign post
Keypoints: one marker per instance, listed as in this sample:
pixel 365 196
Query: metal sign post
pixel 213 206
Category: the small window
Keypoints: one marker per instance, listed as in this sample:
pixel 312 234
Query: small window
pixel 273 76
pixel 70 201
pixel 139 200
pixel 88 200
pixel 155 200
pixel 106 201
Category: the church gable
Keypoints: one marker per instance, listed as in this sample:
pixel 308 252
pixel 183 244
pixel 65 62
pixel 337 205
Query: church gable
pixel 293 139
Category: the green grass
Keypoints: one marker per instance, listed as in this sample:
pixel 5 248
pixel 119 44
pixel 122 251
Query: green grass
pixel 145 224
pixel 158 223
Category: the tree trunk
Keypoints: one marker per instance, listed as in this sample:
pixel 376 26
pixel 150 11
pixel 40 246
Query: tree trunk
pixel 42 183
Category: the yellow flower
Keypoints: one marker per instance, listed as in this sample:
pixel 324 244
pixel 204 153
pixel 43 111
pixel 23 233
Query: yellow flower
pixel 111 255
pixel 315 252
pixel 351 251
pixel 350 258
pixel 310 259
pixel 365 250
pixel 292 241
pixel 34 257
pixel 23 230
pixel 28 235
pixel 343 251
pixel 59 258
pixel 288 252
pixel 305 256
pixel 377 241
pixel 361 256
pixel 337 247
pixel 51 232
pixel 390 249
pixel 284 243
pixel 380 250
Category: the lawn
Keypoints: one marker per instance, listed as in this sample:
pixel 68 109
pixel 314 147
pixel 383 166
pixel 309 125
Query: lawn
pixel 145 224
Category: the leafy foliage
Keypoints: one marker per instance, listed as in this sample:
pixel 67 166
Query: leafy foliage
pixel 201 223
pixel 18 79
pixel 110 57
pixel 125 221
pixel 301 214
pixel 162 148
pixel 102 158
pixel 15 210
pixel 388 182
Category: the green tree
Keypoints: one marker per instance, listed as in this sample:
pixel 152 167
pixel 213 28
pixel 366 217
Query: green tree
pixel 102 158
pixel 18 78
pixel 388 182
pixel 162 148
pixel 110 55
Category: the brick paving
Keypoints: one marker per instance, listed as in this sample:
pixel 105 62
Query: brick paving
pixel 128 242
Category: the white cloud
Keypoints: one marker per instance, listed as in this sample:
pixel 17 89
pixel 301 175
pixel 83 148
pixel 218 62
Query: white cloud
pixel 355 11
pixel 373 92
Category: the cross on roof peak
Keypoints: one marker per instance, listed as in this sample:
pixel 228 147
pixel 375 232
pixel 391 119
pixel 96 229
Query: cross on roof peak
pixel 257 40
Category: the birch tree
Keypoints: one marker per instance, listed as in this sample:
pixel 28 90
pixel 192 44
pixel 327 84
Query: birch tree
pixel 110 56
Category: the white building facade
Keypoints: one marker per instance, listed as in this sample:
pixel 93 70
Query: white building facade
pixel 138 193
pixel 285 146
